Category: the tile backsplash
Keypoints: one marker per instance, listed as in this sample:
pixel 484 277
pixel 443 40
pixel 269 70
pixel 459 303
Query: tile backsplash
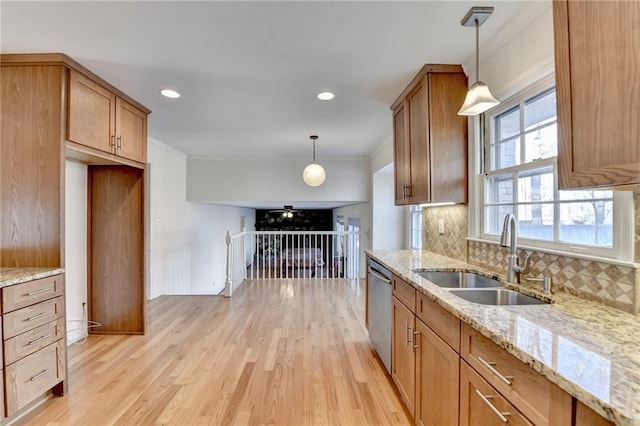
pixel 614 285
pixel 453 243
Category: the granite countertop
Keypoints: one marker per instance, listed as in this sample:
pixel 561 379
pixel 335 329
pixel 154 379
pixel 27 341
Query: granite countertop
pixel 590 350
pixel 12 276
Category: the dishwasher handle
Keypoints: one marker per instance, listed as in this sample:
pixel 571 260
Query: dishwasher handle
pixel 379 276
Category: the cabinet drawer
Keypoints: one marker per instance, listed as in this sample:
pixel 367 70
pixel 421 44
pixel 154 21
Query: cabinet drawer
pixel 25 294
pixel 442 322
pixel 541 401
pixel 28 318
pixel 32 376
pixel 404 292
pixel 482 405
pixel 31 341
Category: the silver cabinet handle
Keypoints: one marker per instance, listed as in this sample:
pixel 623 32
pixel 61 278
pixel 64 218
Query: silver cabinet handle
pixel 119 145
pixel 408 334
pixel 415 333
pixel 33 293
pixel 33 342
pixel 40 374
pixel 40 315
pixel 490 365
pixel 500 414
pixel 113 142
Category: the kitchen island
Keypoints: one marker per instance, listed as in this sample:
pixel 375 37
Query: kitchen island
pixel 589 350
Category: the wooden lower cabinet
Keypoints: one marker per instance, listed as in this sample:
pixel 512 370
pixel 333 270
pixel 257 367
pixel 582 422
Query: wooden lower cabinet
pixel 33 342
pixel 33 375
pixel 585 416
pixel 449 374
pixel 403 353
pixel 437 376
pixel 482 405
pixel 540 400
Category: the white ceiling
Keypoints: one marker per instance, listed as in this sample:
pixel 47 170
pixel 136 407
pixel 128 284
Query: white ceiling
pixel 249 71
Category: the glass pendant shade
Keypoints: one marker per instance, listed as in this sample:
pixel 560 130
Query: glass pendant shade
pixel 479 99
pixel 314 175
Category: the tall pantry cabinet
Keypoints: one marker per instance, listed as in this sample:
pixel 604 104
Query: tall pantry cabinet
pixel 54 109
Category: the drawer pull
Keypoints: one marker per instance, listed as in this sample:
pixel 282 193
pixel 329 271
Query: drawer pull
pixel 33 342
pixel 490 365
pixel 501 414
pixel 33 293
pixel 40 315
pixel 415 346
pixel 40 374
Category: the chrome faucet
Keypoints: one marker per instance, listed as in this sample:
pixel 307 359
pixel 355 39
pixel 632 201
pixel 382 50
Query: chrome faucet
pixel 509 238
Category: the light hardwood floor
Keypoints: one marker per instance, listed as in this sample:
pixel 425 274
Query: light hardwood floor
pixel 280 352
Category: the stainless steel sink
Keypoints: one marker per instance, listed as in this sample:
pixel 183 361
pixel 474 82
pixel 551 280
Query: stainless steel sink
pixel 459 279
pixel 497 296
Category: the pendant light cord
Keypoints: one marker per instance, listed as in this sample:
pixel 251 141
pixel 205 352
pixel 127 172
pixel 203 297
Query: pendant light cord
pixel 314 150
pixel 477 51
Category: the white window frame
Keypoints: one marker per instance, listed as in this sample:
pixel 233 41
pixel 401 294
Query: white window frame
pixel 416 211
pixel 623 222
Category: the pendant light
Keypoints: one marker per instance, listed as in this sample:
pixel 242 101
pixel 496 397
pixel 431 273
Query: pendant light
pixel 479 99
pixel 313 174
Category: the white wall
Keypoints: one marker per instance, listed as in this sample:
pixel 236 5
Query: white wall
pixel 251 181
pixel 383 156
pixel 187 240
pixel 389 220
pixel 75 249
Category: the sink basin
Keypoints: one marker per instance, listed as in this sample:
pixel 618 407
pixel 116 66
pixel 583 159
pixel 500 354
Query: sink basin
pixel 497 296
pixel 459 279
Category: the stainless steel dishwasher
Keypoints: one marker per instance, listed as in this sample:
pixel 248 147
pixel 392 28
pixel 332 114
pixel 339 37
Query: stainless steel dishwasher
pixel 379 307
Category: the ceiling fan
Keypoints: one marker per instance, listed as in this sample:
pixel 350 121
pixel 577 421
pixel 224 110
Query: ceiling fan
pixel 287 212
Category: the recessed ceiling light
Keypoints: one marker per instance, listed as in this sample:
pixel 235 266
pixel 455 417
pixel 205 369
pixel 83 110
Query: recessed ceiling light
pixel 170 93
pixel 326 96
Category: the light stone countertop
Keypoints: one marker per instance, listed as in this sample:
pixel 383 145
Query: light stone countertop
pixel 590 350
pixel 12 276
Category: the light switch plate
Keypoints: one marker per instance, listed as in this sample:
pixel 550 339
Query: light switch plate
pixel 441 226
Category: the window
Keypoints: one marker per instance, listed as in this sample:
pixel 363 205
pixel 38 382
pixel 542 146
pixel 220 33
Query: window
pixel 415 213
pixel 521 178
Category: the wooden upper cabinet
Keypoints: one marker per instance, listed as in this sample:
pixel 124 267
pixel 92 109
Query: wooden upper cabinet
pixel 100 119
pixel 401 154
pixel 131 131
pixel 92 117
pixel 419 189
pixel 598 92
pixel 430 138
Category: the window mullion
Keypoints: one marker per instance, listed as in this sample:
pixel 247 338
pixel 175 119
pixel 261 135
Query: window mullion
pixel 522 132
pixel 556 204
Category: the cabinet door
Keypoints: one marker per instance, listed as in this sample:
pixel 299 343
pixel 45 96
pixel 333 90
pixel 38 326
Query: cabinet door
pixel 402 154
pixel 598 92
pixel 91 114
pixel 419 190
pixel 131 132
pixel 482 405
pixel 447 138
pixel 585 416
pixel 403 353
pixel 437 375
